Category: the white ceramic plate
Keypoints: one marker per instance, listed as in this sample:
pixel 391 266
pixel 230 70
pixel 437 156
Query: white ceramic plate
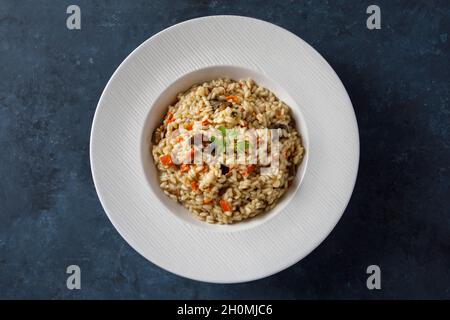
pixel 134 101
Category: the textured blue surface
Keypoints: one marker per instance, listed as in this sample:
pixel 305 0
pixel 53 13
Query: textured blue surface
pixel 397 77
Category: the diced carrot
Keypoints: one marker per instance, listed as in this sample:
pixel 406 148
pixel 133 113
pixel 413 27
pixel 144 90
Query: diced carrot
pixel 248 170
pixel 205 122
pixel 179 139
pixel 166 160
pixel 194 186
pixel 232 98
pixel 224 205
pixel 184 167
pixel 169 117
pixel 189 126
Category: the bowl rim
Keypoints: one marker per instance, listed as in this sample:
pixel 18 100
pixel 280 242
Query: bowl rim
pixel 300 125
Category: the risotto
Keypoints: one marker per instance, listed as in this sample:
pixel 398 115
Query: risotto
pixel 227 150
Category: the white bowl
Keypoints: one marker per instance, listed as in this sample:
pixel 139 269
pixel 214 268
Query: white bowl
pixel 146 83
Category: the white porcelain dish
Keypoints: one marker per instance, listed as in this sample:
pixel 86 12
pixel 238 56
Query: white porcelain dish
pixel 137 96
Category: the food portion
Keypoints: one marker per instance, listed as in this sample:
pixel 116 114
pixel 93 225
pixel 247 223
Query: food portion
pixel 227 150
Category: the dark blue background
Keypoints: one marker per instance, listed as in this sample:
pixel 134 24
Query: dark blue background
pixel 51 79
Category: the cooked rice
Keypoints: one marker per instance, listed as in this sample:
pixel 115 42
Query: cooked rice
pixel 214 191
